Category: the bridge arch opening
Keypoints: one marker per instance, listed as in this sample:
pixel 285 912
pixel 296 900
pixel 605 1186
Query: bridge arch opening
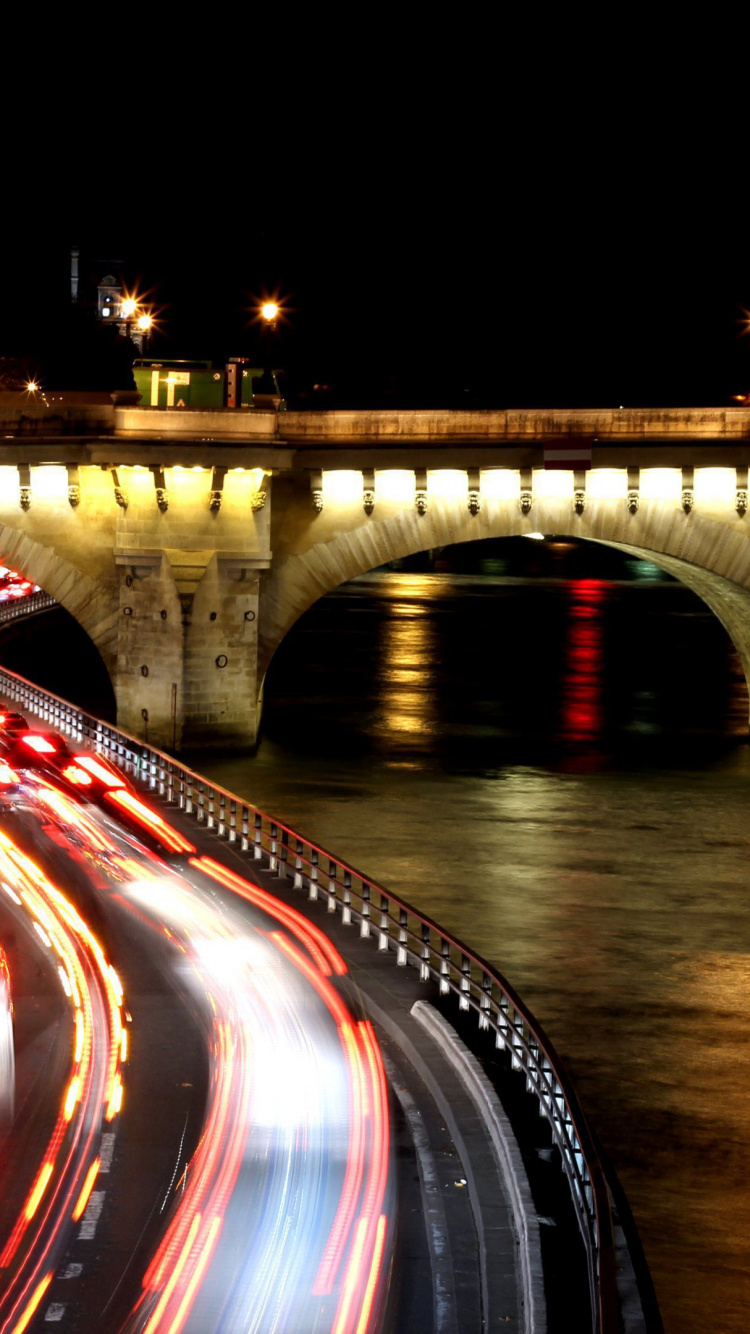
pixel 510 652
pixel 71 647
pixel 50 648
pixel 695 550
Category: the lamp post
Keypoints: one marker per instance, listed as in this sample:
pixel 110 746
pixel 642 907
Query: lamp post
pixel 144 324
pixel 132 312
pixel 128 308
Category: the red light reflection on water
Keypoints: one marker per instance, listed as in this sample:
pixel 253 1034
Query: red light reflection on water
pixel 582 691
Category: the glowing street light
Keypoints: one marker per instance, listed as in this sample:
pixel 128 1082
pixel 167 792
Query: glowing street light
pixel 128 307
pixel 270 311
pixel 144 323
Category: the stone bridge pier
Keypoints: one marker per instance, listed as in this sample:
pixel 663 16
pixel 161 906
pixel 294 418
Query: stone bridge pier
pixel 162 571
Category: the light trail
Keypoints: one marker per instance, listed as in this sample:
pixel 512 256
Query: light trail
pixel 42 1227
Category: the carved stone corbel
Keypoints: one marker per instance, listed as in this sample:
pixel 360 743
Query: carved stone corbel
pixel 474 502
pixel 420 490
pixel 474 481
pixel 216 494
pixel 368 490
pixel 160 486
pixel 257 501
pixel 24 486
pixel 368 501
pixel 633 501
pixel 316 489
pixel 579 490
pixel 526 495
pixel 634 489
pixel 740 500
pixel 121 496
pixel 74 485
pixel 688 494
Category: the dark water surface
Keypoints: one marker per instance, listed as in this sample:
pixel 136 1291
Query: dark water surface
pixel 557 771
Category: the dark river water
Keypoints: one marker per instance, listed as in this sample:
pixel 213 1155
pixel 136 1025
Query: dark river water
pixel 556 769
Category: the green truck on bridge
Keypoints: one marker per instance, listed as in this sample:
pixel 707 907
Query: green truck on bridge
pixel 198 384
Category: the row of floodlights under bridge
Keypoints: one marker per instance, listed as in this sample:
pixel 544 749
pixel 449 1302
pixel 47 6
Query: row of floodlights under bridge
pixel 716 488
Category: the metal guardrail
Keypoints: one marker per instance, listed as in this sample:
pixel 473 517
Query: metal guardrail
pixel 411 937
pixel 13 611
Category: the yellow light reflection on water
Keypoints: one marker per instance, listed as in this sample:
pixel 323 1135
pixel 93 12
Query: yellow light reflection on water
pixel 407 704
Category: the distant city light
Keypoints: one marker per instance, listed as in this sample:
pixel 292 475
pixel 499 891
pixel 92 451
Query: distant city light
pixel 31 386
pixel 269 310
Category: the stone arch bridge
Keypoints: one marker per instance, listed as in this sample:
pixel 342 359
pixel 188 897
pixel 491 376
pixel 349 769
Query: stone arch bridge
pixel 187 543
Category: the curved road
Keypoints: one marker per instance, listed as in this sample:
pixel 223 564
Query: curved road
pixel 279 1221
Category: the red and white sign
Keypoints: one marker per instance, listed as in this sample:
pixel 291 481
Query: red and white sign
pixel 575 454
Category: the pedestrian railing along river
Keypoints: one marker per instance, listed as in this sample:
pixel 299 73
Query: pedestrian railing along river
pixel 408 936
pixel 14 609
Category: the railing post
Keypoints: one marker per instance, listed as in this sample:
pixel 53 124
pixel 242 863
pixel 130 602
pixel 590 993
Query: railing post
pixel 402 952
pixel 485 1003
pixel 298 864
pixel 425 958
pixel 283 853
pixel 364 926
pixel 272 861
pixel 313 891
pixel 445 966
pixel 517 1053
pixel 245 829
pixel 502 1021
pixel 463 1000
pixel 384 922
pixel 258 837
pixel 332 884
pixel 346 909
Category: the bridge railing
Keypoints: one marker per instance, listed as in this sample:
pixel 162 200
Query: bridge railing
pixel 19 607
pixel 408 936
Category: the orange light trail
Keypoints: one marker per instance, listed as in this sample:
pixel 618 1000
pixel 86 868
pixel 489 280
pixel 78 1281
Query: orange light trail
pixel 39 1292
pixel 316 942
pixel 149 819
pixel 109 777
pixel 38 1189
pixel 88 1186
pixel 94 994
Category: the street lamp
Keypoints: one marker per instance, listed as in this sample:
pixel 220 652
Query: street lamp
pixel 270 313
pixel 144 323
pixel 132 312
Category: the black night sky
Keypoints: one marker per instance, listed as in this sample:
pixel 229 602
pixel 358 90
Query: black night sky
pixel 472 234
